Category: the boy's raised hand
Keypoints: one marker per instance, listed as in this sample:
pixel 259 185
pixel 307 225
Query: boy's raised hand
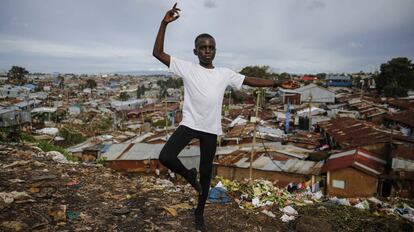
pixel 172 14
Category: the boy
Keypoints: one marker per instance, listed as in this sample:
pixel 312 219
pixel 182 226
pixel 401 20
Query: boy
pixel 204 86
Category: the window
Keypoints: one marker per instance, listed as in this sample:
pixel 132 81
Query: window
pixel 338 184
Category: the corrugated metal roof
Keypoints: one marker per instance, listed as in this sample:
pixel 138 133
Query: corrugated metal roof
pixel 265 163
pixel 361 159
pixel 143 151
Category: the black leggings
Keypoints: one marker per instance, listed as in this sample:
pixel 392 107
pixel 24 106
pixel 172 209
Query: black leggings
pixel 208 143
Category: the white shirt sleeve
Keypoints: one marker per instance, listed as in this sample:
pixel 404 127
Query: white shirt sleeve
pixel 235 79
pixel 179 67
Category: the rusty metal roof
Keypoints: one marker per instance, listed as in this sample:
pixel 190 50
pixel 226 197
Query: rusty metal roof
pixel 352 133
pixel 262 161
pixel 361 159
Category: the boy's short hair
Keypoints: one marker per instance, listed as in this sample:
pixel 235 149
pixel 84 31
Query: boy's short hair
pixel 202 36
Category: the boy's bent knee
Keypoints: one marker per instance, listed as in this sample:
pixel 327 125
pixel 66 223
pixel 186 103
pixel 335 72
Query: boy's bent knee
pixel 164 158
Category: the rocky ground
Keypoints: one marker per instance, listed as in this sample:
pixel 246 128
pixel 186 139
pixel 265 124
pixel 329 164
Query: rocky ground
pixel 39 194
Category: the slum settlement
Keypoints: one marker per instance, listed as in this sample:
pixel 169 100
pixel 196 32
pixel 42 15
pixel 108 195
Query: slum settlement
pixel 325 145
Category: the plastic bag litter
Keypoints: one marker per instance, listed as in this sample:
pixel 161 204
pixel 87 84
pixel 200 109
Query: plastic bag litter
pixel 57 156
pixel 256 202
pixel 268 213
pixel 317 196
pixel 218 195
pixel 340 201
pixel 11 196
pixel 289 210
pixel 362 205
pixel 287 218
pixel 375 200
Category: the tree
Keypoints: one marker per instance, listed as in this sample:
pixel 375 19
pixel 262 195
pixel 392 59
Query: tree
pixel 16 75
pixel 396 77
pixel 141 91
pixel 91 83
pixel 124 96
pixel 256 71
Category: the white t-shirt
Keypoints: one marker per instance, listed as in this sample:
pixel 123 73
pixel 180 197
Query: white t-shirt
pixel 203 93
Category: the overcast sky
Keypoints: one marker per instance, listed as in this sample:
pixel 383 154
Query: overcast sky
pixel 299 36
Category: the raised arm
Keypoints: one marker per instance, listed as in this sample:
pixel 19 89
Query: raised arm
pixel 158 51
pixel 260 82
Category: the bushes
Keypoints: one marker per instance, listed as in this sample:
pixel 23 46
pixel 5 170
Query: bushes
pixel 46 146
pixel 71 137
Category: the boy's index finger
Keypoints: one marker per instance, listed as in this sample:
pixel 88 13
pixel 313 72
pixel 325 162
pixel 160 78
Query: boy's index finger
pixel 175 5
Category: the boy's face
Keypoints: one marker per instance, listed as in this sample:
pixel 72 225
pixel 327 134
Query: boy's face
pixel 205 50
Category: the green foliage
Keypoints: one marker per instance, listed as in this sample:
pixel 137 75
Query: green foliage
pixel 170 83
pixel 321 76
pixel 396 77
pixel 90 83
pixel 236 97
pixel 16 75
pixel 101 160
pixel 161 123
pixel 141 91
pixel 124 96
pixel 105 124
pixel 9 134
pixel 71 137
pixel 256 71
pixel 24 136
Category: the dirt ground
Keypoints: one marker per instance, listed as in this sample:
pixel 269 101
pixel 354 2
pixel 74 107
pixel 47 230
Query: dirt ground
pixel 50 196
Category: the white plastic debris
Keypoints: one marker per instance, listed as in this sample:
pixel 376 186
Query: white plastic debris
pixel 289 210
pixel 340 201
pixel 362 205
pixel 269 213
pixel 48 131
pixel 256 202
pixel 16 163
pixel 287 218
pixel 317 196
pixel 220 185
pixel 11 196
pixel 57 156
pixel 375 200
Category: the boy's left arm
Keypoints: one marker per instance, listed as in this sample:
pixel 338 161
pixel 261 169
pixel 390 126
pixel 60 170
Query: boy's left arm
pixel 261 82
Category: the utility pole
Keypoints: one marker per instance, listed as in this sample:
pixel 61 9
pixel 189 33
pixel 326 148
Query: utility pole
pixel 310 112
pixel 166 120
pixel 254 135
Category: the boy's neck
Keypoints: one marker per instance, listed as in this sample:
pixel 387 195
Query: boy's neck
pixel 208 66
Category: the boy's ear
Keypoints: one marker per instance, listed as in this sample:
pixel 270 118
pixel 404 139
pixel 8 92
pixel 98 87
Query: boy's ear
pixel 195 51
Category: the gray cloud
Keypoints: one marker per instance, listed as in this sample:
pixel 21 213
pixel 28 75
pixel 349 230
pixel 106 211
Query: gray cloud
pixel 210 4
pixel 293 36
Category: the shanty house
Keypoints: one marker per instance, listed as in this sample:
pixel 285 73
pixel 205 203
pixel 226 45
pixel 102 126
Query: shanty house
pixel 143 157
pixel 353 173
pixel 315 93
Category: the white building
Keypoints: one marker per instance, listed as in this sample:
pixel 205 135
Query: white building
pixel 316 93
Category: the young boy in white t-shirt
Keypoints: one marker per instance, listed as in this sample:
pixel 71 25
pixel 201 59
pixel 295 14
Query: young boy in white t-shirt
pixel 204 87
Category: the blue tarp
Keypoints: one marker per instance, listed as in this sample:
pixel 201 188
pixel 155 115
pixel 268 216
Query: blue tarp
pixel 218 195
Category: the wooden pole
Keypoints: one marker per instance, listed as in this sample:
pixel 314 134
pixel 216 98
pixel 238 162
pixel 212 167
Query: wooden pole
pixel 252 154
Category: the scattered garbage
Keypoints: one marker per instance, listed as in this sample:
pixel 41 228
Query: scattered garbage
pixel 289 210
pixel 57 156
pixel 268 213
pixel 218 195
pixel 340 201
pixel 362 205
pixel 406 212
pixel 9 197
pixel 287 218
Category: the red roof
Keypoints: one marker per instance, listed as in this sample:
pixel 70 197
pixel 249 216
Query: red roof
pixel 360 159
pixel 308 78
